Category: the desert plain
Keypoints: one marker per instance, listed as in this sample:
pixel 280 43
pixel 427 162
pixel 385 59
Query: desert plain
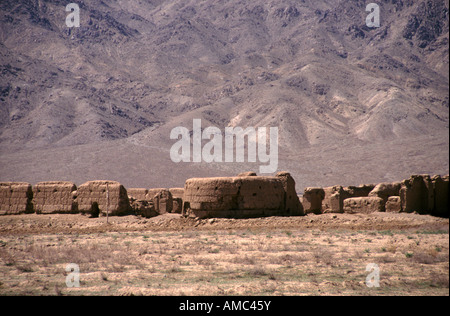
pixel 170 255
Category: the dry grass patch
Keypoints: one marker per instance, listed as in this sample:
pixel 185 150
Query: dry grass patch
pixel 240 262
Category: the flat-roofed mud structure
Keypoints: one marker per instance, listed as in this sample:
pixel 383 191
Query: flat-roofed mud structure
pixel 54 197
pixel 100 197
pixel 241 197
pixel 15 198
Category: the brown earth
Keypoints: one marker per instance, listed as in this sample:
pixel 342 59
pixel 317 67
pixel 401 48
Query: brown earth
pixel 81 224
pixel 170 255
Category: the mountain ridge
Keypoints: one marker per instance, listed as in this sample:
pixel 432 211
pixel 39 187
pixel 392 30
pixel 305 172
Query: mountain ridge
pixel 134 70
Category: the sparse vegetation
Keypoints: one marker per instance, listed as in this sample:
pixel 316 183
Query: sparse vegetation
pixel 249 259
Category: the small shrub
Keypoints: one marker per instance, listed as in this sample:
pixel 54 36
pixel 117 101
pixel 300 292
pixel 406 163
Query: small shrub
pixel 25 268
pixel 258 272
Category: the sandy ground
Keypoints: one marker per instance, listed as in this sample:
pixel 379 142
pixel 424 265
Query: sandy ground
pixel 169 255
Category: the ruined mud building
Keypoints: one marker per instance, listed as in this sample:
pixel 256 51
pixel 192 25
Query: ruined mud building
pixel 243 196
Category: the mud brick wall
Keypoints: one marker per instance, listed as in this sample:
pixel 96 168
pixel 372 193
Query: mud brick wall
pixel 54 197
pixel 96 192
pixel 15 198
pixel 246 195
pixel 240 197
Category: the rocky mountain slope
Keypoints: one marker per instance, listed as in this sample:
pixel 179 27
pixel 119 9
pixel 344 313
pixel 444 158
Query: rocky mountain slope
pixel 352 103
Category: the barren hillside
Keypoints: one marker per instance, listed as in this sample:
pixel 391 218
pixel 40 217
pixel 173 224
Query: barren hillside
pixel 353 104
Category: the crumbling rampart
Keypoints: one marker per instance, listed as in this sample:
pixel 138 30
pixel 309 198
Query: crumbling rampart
pixel 243 196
